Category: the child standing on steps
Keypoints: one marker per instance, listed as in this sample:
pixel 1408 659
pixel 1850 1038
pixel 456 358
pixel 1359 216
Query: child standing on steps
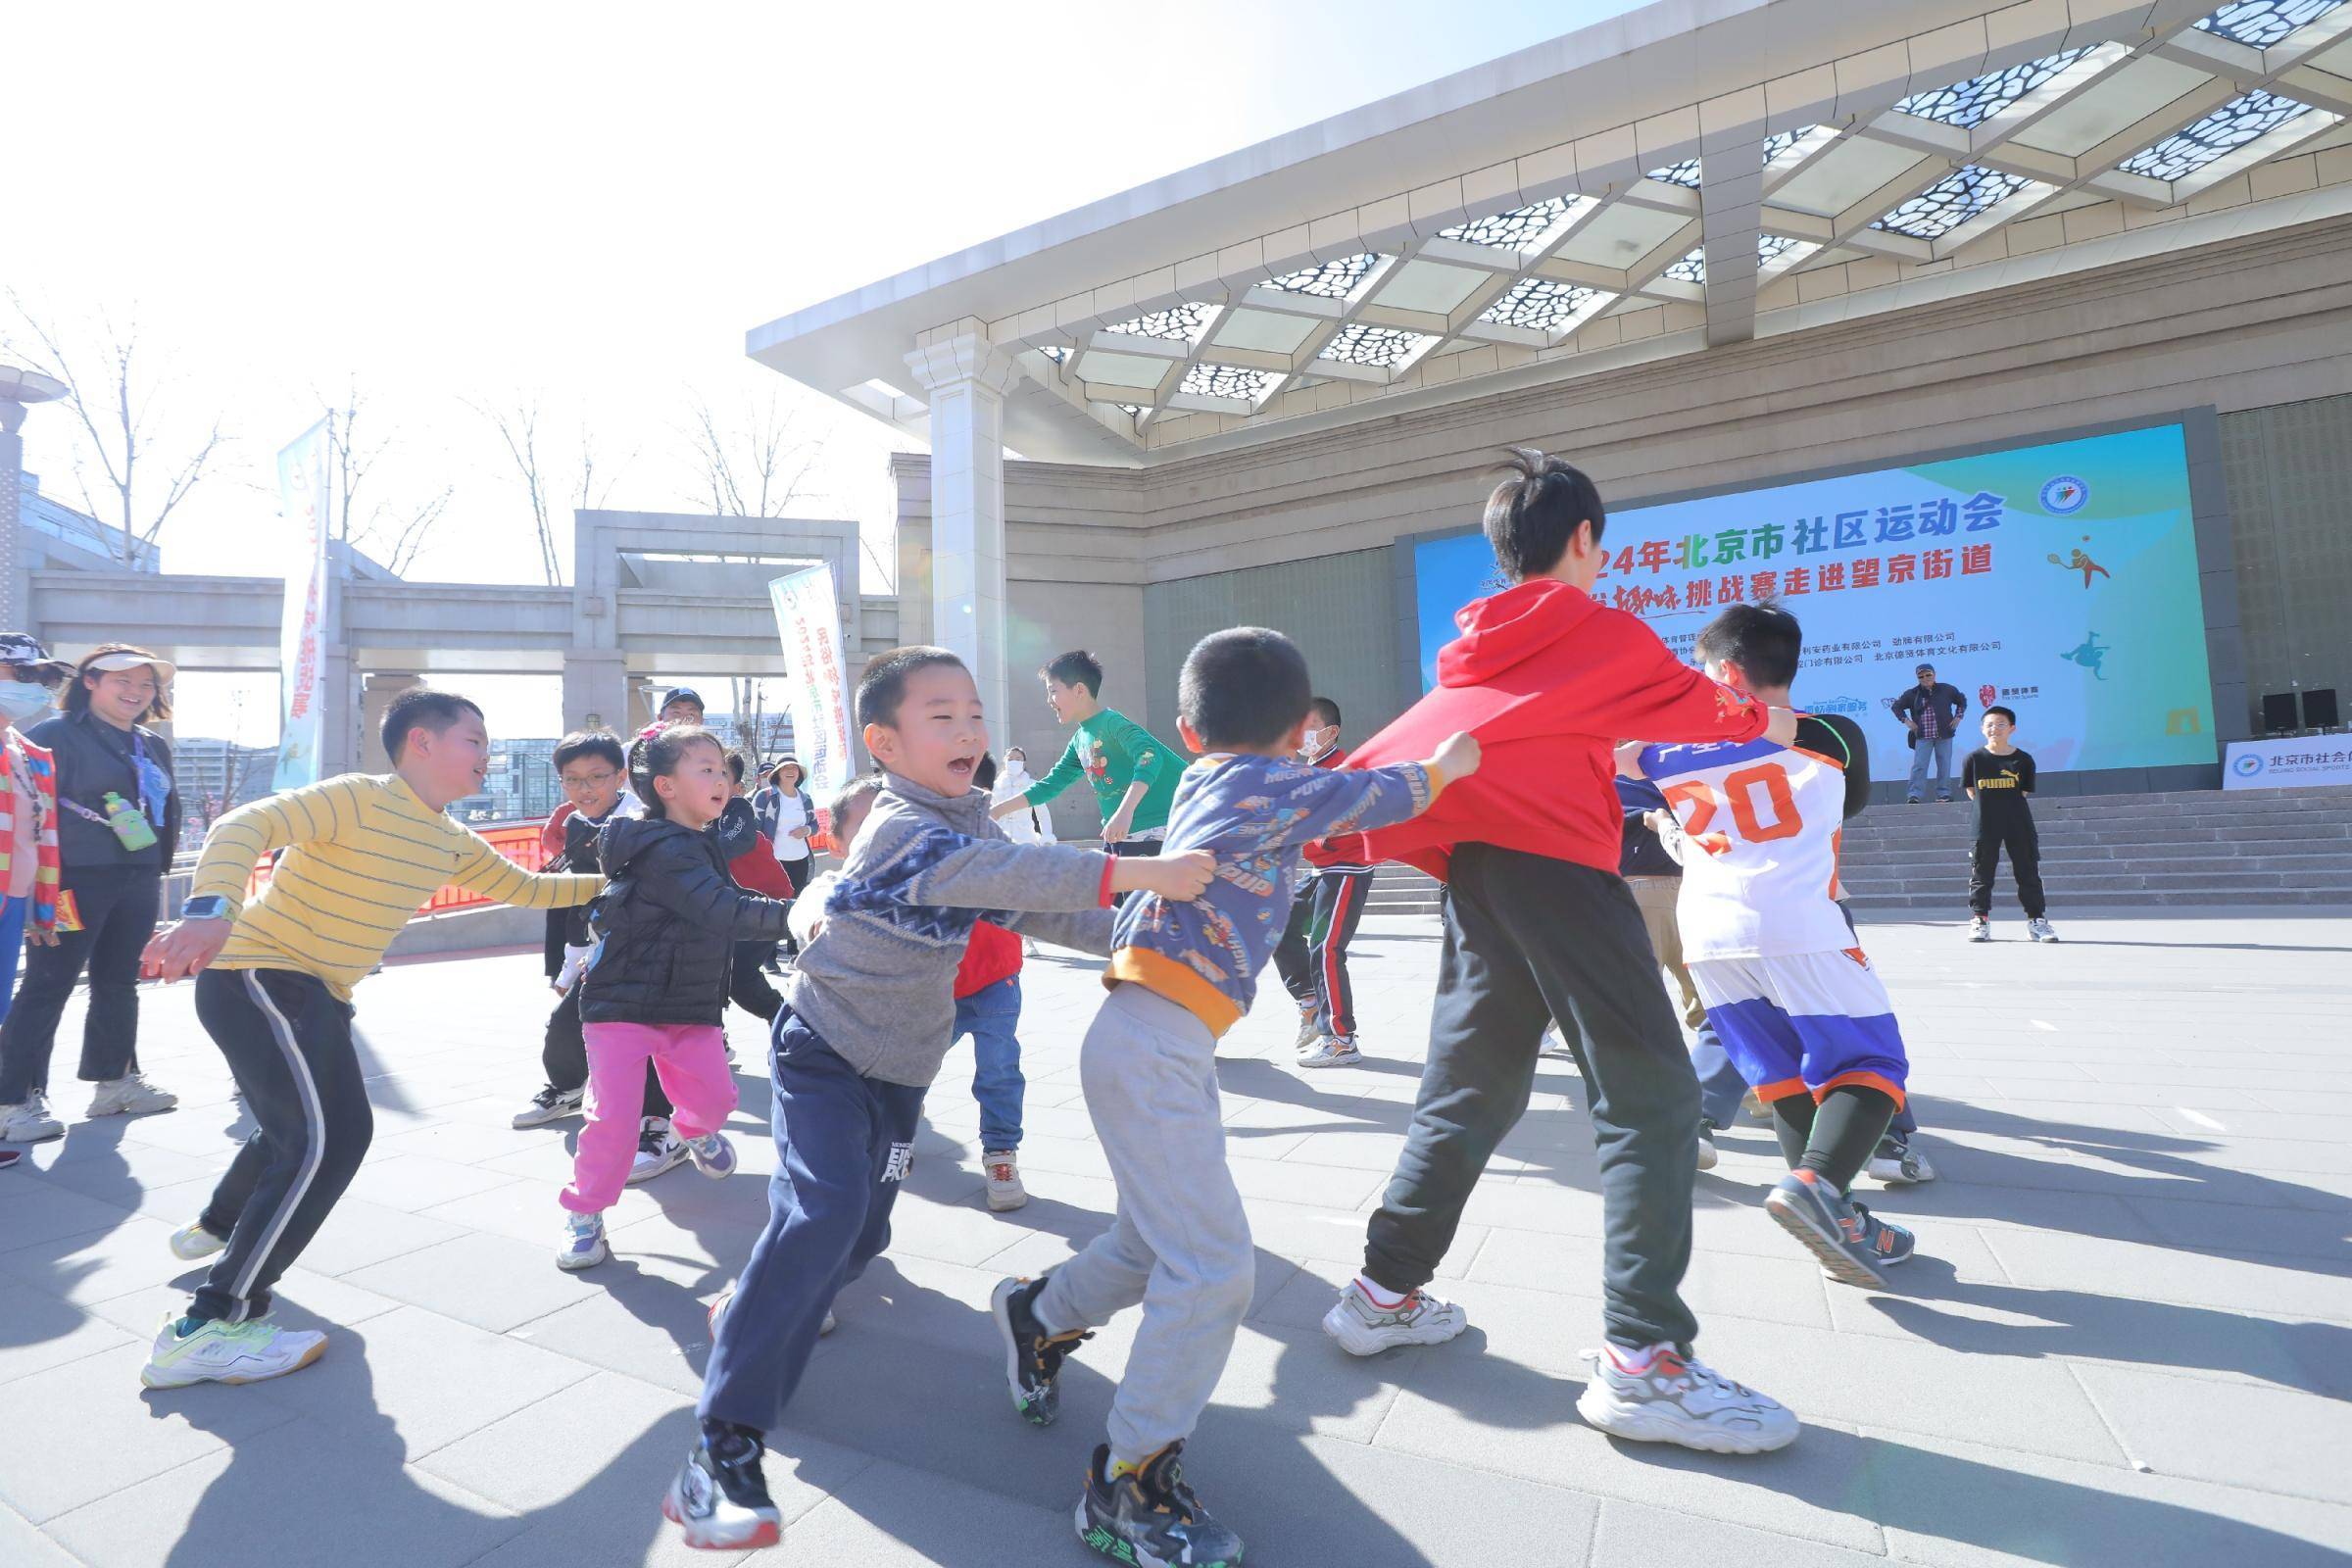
pixel 656 986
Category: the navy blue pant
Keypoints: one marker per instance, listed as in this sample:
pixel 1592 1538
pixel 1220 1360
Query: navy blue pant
pixel 843 1140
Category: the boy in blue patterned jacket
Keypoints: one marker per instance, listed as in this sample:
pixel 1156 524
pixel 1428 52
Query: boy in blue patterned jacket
pixel 1180 975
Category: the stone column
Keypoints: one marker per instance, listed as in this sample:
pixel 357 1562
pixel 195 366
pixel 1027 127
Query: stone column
pixel 19 389
pixel 375 699
pixel 967 376
pixel 596 690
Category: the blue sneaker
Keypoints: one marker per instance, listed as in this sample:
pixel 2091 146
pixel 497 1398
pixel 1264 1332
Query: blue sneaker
pixel 1854 1245
pixel 712 1154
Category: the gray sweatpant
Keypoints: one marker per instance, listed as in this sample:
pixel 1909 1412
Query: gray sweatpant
pixel 1181 1242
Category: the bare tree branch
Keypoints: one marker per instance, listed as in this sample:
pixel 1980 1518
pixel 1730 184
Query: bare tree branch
pixel 117 419
pixel 753 470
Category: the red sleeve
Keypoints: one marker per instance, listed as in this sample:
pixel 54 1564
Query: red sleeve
pixel 1108 899
pixel 1652 695
pixel 755 870
pixel 550 836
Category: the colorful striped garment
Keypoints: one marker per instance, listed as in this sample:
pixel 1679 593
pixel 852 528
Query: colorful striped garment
pixel 34 764
pixel 363 854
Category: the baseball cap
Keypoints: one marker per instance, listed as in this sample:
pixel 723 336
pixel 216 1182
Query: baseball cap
pixel 680 693
pixel 16 648
pixel 1923 669
pixel 163 669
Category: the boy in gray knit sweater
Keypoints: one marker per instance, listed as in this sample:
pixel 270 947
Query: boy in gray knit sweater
pixel 867 1019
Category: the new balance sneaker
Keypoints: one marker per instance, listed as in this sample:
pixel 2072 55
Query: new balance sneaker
pixel 1897 1163
pixel 550 1104
pixel 2040 930
pixel 659 1150
pixel 1853 1246
pixel 29 1121
pixel 1707 1152
pixel 1332 1051
pixel 216 1351
pixel 130 1094
pixel 712 1154
pixel 1364 1327
pixel 1979 928
pixel 1309 1030
pixel 1661 1395
pixel 720 1496
pixel 1033 1354
pixel 582 1243
pixel 1150 1518
pixel 192 1241
pixel 1003 1171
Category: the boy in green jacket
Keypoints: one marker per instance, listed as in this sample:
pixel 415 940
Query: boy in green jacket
pixel 1133 771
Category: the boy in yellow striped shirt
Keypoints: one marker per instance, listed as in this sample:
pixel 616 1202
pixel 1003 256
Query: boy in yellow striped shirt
pixel 273 990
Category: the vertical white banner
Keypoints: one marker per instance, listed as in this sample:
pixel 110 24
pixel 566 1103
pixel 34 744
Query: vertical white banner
pixel 808 620
pixel 302 491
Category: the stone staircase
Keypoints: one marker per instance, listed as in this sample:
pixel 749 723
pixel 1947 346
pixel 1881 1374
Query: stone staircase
pixel 2204 848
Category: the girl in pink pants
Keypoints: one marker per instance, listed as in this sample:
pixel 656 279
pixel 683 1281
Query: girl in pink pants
pixel 655 983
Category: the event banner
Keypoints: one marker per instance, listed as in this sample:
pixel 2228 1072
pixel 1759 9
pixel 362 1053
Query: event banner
pixel 302 494
pixel 2295 762
pixel 2058 580
pixel 808 619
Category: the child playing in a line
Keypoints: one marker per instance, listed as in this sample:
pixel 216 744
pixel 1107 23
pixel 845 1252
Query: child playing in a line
pixel 1797 1003
pixel 667 927
pixel 2000 781
pixel 865 1025
pixel 1133 771
pixel 1181 975
pixel 1312 955
pixel 274 991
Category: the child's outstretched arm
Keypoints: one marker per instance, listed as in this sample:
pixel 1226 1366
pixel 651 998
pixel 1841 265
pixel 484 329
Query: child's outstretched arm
pixel 1343 800
pixel 934 865
pixel 500 880
pixel 682 881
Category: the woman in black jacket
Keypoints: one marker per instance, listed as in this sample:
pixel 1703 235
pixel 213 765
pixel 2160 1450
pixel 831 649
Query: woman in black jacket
pixel 117 825
pixel 656 985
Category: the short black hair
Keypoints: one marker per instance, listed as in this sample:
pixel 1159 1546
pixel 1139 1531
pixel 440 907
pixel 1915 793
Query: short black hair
pixel 601 744
pixel 1325 712
pixel 882 685
pixel 2009 713
pixel 735 767
pixel 1077 667
pixel 1763 640
pixel 423 707
pixel 1243 686
pixel 1533 515
pixel 855 798
pixel 658 754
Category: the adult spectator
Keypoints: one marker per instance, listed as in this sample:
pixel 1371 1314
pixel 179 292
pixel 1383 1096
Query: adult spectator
pixel 681 705
pixel 1931 711
pixel 117 825
pixel 788 816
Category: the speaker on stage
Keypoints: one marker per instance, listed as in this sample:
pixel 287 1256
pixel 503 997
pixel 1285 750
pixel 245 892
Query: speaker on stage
pixel 2278 713
pixel 2318 708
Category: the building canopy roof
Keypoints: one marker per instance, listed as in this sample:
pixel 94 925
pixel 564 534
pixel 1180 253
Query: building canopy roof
pixel 1685 175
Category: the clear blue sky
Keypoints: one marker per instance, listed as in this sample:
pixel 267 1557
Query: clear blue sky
pixel 589 205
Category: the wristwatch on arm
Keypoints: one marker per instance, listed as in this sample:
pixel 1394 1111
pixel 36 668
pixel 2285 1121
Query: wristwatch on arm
pixel 211 907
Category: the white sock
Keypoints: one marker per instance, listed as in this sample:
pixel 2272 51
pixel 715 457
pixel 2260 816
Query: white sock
pixel 1385 1301
pixel 1633 1358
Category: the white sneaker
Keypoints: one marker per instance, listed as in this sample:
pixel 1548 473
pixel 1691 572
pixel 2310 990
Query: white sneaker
pixel 28 1122
pixel 1980 929
pixel 1707 1152
pixel 1554 1046
pixel 1673 1399
pixel 1004 1189
pixel 582 1243
pixel 1897 1162
pixel 1365 1328
pixel 1308 1033
pixel 712 1154
pixel 2040 930
pixel 227 1352
pixel 192 1241
pixel 659 1150
pixel 130 1096
pixel 1332 1051
pixel 550 1104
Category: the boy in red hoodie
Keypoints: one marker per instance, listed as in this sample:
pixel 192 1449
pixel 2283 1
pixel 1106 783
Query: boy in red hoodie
pixel 1540 925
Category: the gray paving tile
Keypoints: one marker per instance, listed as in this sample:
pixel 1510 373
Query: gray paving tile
pixel 1633 1534
pixel 2263 1438
pixel 493 1282
pixel 40 1211
pixel 24 1546
pixel 96 1265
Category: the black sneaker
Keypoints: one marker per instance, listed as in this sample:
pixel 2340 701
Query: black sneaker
pixel 720 1498
pixel 1032 1357
pixel 1151 1519
pixel 550 1104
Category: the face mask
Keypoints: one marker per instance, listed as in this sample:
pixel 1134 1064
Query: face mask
pixel 20 699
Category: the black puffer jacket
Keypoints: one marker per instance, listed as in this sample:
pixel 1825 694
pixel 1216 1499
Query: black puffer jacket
pixel 666 925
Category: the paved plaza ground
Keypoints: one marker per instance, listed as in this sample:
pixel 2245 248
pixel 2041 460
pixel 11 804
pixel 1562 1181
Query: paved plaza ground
pixel 2127 1338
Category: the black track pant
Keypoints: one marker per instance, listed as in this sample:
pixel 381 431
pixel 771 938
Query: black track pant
pixel 288 1043
pixel 1312 955
pixel 2025 864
